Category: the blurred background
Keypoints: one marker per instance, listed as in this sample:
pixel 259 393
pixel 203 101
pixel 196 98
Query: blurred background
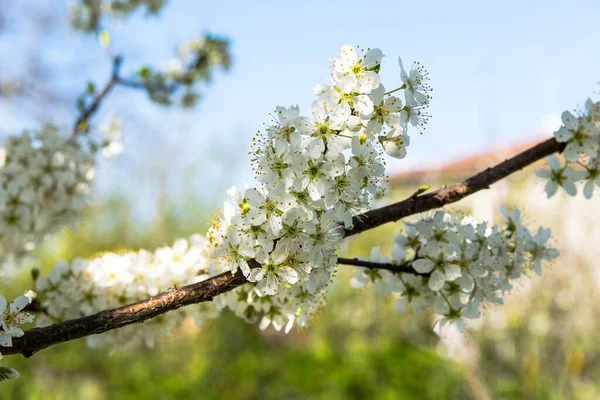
pixel 502 74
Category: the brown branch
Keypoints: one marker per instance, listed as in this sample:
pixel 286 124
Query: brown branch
pixel 81 124
pixel 439 198
pixel 37 339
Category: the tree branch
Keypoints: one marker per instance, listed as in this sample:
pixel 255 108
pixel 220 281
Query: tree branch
pixel 441 197
pixel 81 124
pixel 37 339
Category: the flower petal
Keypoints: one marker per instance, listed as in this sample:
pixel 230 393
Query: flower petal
pixel 422 265
pixel 437 280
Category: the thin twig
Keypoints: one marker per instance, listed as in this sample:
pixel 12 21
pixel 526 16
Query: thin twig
pixel 82 123
pixel 37 339
pixel 395 268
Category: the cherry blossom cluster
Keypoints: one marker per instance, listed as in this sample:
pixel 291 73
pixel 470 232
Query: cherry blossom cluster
pixel 458 264
pixel 291 305
pixel 87 286
pixel 316 173
pixel 12 317
pixel 45 180
pixel 581 133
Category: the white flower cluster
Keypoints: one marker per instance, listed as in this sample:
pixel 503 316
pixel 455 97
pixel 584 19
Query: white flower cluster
pixel 291 305
pixel 44 182
pixel 458 264
pixel 316 173
pixel 582 153
pixel 12 317
pixel 84 287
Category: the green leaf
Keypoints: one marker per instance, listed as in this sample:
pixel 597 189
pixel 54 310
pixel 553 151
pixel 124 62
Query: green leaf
pixel 7 374
pixel 144 72
pixel 83 126
pixel 421 189
pixel 91 87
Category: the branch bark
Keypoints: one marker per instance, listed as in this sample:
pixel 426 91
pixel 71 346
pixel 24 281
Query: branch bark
pixel 441 197
pixel 37 339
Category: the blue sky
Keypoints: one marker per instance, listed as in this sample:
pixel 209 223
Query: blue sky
pixel 502 73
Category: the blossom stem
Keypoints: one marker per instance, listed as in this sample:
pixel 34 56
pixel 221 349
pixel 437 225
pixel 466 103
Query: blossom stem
pixel 395 90
pixel 445 299
pixel 396 268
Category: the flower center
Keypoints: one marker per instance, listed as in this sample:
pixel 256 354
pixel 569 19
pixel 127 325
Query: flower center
pixel 382 111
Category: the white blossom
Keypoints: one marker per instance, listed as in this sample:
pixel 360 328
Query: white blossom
pixel 12 317
pixel 415 81
pixel 83 287
pixel 458 264
pixel 112 137
pixel 558 176
pixel 395 143
pixel 45 180
pixel 316 173
pixel 581 134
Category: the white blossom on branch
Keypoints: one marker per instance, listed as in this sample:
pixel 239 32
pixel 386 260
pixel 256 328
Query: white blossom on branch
pixel 458 264
pixel 581 134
